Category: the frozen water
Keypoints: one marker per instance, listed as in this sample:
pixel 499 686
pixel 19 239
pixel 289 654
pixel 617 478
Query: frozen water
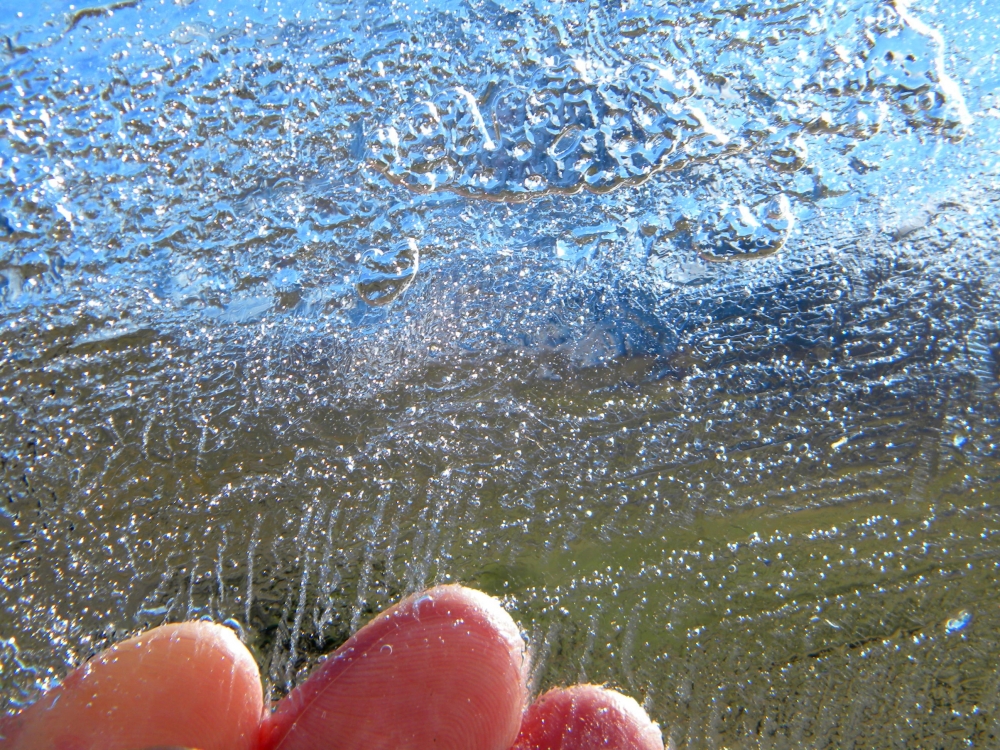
pixel 674 324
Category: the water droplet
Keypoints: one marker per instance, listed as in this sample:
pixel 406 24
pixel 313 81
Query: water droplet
pixel 234 625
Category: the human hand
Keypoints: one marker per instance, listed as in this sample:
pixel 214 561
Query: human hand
pixel 443 669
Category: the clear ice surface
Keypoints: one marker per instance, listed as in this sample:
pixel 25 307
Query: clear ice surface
pixel 672 323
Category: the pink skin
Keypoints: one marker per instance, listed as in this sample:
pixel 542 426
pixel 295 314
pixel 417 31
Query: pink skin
pixel 586 716
pixel 457 651
pixel 454 678
pixel 134 695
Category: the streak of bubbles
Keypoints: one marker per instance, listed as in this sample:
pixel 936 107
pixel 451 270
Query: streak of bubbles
pixel 672 324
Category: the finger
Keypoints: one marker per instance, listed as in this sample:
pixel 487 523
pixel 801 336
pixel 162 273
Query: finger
pixel 441 670
pixel 587 717
pixel 191 685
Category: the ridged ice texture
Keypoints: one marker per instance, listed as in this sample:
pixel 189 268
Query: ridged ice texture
pixel 570 127
pixel 734 456
pixel 587 122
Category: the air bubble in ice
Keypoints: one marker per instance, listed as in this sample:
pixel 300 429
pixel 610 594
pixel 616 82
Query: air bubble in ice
pixel 958 622
pixel 788 150
pixel 384 274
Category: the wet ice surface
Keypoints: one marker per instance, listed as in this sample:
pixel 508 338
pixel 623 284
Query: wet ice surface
pixel 674 325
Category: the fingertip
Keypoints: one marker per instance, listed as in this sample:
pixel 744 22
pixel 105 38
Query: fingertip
pixel 189 684
pixel 495 618
pixel 584 717
pixel 443 669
